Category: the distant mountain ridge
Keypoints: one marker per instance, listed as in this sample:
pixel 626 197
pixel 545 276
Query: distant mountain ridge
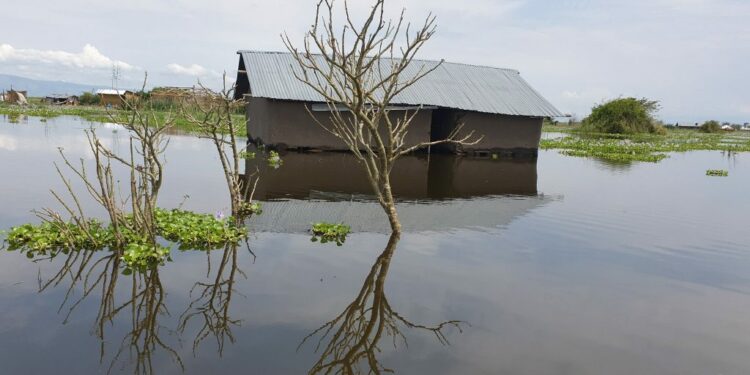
pixel 44 88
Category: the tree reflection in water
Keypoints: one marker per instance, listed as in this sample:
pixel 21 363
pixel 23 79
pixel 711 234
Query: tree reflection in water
pixel 351 340
pixel 213 300
pixel 144 305
pixel 348 344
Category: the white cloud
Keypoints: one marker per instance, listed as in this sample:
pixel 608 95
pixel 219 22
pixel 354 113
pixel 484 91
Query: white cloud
pixel 89 57
pixel 194 70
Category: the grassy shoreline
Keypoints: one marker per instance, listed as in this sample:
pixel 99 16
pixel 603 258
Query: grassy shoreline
pixel 100 114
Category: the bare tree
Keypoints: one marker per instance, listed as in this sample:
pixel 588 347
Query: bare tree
pixel 144 163
pixel 210 112
pixel 358 71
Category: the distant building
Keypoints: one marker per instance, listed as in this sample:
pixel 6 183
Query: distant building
pixel 114 98
pixel 496 103
pixel 61 100
pixel 171 94
pixel 15 96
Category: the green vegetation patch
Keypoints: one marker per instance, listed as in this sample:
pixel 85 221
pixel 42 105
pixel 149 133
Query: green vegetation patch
pixel 142 257
pixel 711 126
pixel 717 173
pixel 197 231
pixel 50 239
pixel 624 116
pixel 101 114
pixel 327 232
pixel 645 147
pixel 187 229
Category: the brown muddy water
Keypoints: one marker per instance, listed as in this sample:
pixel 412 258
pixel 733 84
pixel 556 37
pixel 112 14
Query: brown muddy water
pixel 561 265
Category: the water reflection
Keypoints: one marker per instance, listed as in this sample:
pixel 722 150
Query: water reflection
pixel 434 193
pixel 211 303
pixel 16 118
pixel 637 271
pixel 98 271
pixel 351 342
pixel 337 176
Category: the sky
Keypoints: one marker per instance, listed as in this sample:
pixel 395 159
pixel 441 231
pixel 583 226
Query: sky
pixel 691 55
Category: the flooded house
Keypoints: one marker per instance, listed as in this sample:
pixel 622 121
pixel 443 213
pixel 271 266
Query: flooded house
pixel 113 97
pixel 61 100
pixel 15 96
pixel 493 102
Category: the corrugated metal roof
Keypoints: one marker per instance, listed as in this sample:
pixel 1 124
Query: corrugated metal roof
pixel 451 85
pixel 111 92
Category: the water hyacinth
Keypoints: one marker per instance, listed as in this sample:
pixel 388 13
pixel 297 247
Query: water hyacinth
pixel 142 257
pixel 717 173
pixel 326 232
pixel 644 147
pixel 187 229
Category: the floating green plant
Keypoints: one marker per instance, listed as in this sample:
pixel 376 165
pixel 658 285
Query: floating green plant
pixel 247 155
pixel 197 231
pixel 274 160
pixel 187 229
pixel 717 173
pixel 644 147
pixel 142 257
pixel 50 239
pixel 327 232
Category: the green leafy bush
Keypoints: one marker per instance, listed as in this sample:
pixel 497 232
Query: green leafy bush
pixel 624 116
pixel 711 126
pixel 88 98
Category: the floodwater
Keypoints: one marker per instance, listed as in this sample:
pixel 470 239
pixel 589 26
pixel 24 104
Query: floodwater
pixel 557 266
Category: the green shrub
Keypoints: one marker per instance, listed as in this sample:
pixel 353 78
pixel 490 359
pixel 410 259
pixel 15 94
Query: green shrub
pixel 88 98
pixel 711 126
pixel 624 116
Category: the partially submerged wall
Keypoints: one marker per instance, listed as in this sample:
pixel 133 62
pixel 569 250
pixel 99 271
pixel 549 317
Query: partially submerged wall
pixel 507 135
pixel 288 125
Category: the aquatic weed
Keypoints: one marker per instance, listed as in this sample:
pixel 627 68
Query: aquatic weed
pixel 717 173
pixel 327 232
pixel 644 147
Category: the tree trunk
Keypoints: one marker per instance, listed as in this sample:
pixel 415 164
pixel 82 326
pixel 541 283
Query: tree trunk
pixel 389 205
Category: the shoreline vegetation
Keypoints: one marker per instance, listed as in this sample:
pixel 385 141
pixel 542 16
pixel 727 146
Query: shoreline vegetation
pixel 572 140
pixel 96 113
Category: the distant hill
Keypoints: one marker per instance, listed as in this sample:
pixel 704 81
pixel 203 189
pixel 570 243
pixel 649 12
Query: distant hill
pixel 43 88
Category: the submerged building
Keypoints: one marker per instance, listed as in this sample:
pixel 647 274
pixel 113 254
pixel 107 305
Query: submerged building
pixel 495 103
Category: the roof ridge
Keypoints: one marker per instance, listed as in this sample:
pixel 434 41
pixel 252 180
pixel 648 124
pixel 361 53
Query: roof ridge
pixel 420 60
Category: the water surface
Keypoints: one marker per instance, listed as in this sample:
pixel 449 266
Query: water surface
pixel 559 266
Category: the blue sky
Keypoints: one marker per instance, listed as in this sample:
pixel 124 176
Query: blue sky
pixel 692 55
